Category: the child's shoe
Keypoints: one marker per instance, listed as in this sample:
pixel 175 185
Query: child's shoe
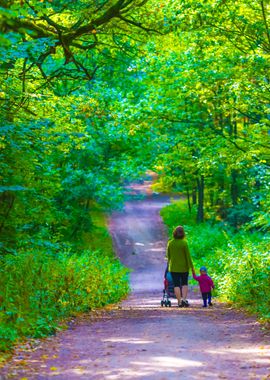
pixel 185 303
pixel 210 304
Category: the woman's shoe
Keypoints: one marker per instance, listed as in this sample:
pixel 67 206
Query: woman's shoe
pixel 185 303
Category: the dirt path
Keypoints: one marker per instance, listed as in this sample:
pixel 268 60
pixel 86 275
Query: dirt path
pixel 140 340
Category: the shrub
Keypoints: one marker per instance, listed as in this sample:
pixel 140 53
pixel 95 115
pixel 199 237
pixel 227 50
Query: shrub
pixel 244 273
pixel 37 289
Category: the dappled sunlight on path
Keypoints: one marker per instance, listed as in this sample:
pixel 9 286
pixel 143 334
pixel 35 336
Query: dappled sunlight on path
pixel 141 340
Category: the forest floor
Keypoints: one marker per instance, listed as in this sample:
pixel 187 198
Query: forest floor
pixel 137 339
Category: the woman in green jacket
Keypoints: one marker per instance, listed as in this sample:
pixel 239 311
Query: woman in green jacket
pixel 179 263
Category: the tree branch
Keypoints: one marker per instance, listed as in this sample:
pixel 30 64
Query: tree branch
pixel 265 21
pixel 138 24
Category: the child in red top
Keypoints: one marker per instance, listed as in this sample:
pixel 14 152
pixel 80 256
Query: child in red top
pixel 206 285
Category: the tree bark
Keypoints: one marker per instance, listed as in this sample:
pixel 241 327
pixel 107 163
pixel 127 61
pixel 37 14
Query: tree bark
pixel 200 187
pixel 188 199
pixel 234 188
pixel 194 196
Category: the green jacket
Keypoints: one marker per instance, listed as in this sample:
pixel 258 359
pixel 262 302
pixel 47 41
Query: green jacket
pixel 178 255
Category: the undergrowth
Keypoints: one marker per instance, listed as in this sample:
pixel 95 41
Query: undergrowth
pixel 42 284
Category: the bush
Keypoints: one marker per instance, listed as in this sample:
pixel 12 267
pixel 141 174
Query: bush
pixel 177 213
pixel 243 273
pixel 36 289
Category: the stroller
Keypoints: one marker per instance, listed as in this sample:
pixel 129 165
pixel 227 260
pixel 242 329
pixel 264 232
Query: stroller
pixel 168 290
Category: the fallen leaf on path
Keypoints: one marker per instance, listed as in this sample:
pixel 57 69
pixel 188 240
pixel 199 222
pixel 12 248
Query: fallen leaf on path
pixel 54 369
pixel 21 362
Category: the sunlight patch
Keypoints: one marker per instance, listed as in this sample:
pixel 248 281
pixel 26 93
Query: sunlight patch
pixel 128 340
pixel 168 362
pixel 247 350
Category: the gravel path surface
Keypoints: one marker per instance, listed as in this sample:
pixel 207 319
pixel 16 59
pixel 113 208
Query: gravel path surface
pixel 138 339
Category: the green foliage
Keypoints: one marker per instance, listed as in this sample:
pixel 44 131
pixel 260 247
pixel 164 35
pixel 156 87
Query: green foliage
pixel 8 335
pixel 238 262
pixel 37 289
pixel 98 238
pixel 60 121
pixel 83 113
pixel 177 213
pixel 210 117
pixel 242 272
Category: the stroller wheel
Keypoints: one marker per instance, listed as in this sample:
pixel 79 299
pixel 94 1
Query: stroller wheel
pixel 169 303
pixel 162 303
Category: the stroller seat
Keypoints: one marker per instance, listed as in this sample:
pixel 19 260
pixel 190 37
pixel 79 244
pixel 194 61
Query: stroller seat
pixel 168 291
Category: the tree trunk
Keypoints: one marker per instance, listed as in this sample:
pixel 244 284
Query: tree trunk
pixel 188 199
pixel 200 187
pixel 234 188
pixel 194 196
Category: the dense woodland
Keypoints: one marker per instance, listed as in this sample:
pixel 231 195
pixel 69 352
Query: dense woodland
pixel 95 93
